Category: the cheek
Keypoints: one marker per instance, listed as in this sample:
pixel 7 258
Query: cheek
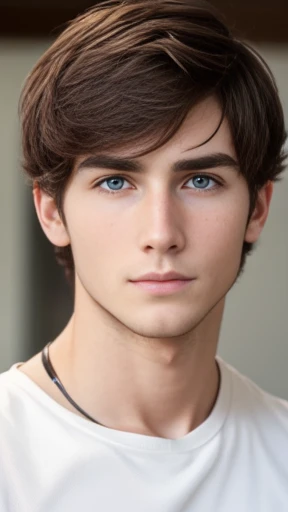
pixel 94 238
pixel 222 244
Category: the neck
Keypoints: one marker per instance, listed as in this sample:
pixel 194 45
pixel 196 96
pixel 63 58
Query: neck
pixel 157 387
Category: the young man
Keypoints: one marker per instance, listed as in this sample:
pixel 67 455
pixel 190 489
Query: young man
pixel 152 139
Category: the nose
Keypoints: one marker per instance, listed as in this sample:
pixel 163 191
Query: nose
pixel 161 223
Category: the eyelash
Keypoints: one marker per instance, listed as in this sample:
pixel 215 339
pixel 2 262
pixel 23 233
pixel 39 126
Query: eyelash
pixel 202 175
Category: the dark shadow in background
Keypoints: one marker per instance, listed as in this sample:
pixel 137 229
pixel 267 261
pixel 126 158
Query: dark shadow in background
pixel 257 20
pixel 51 298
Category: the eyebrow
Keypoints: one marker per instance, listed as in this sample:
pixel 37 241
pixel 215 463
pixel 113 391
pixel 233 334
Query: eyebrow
pixel 201 163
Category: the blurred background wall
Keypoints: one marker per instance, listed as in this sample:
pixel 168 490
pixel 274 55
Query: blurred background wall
pixel 36 302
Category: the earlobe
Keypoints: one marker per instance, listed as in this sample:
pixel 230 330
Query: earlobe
pixel 260 213
pixel 49 218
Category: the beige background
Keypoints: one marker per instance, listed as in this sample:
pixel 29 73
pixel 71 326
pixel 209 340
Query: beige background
pixel 254 335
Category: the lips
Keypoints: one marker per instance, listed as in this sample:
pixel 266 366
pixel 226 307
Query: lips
pixel 168 276
pixel 163 287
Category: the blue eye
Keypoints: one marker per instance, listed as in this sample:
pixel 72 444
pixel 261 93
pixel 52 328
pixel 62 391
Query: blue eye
pixel 201 182
pixel 114 182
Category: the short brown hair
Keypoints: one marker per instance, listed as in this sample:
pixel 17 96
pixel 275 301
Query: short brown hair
pixel 129 71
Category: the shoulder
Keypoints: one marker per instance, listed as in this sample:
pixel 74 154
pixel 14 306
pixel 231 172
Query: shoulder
pixel 8 387
pixel 10 429
pixel 254 403
pixel 11 396
pixel 20 399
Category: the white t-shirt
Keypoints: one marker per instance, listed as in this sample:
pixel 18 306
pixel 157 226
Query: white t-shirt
pixel 52 460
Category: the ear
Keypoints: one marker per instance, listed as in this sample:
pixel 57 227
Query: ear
pixel 260 213
pixel 49 218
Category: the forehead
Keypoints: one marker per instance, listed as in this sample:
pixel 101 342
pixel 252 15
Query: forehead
pixel 195 136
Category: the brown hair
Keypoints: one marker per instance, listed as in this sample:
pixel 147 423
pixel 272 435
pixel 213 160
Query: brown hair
pixel 129 71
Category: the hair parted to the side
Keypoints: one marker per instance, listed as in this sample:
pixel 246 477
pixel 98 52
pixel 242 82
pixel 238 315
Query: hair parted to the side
pixel 126 73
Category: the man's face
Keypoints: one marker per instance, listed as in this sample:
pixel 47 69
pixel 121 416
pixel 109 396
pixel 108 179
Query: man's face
pixel 159 220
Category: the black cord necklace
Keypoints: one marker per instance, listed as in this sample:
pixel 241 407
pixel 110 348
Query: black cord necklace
pixel 54 377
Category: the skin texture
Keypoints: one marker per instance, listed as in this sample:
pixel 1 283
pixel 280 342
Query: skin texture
pixel 134 361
